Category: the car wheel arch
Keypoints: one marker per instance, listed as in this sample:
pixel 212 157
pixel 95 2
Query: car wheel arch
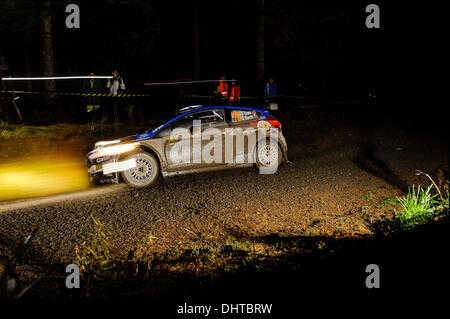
pixel 152 152
pixel 283 150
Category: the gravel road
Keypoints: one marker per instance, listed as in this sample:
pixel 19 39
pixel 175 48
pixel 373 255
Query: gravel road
pixel 333 188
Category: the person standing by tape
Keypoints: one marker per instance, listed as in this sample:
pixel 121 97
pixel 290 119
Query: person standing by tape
pixel 235 93
pixel 92 86
pixel 271 88
pixel 116 85
pixel 222 89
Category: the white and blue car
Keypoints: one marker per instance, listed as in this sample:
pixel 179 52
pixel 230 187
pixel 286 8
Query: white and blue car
pixel 196 139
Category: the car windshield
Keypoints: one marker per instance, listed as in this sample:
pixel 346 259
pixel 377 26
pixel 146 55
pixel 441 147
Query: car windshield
pixel 164 120
pixel 207 116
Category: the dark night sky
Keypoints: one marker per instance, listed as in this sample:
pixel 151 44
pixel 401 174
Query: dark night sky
pixel 157 44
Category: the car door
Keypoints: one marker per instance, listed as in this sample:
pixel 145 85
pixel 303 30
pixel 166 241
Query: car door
pixel 185 145
pixel 244 125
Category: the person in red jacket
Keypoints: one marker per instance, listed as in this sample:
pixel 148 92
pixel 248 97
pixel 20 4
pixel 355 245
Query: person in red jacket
pixel 235 93
pixel 222 88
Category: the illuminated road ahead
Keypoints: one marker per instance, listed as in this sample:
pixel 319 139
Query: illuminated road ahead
pixel 327 190
pixel 31 203
pixel 345 163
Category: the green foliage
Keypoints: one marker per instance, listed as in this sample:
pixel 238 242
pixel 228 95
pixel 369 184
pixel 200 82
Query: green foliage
pixel 390 201
pixel 369 196
pixel 4 125
pixel 94 255
pixel 419 206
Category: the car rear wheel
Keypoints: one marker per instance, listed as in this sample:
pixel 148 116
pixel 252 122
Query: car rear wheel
pixel 268 156
pixel 145 173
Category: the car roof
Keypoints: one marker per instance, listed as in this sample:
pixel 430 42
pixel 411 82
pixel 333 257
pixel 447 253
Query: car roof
pixel 192 108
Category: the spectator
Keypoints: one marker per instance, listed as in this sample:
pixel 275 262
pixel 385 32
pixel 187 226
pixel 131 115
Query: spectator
pixel 115 86
pixel 92 86
pixel 222 88
pixel 235 94
pixel 271 88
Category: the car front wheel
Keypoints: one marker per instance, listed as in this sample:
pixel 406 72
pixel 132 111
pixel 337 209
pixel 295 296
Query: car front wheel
pixel 145 173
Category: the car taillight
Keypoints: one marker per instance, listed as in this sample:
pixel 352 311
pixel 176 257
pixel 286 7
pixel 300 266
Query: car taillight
pixel 273 122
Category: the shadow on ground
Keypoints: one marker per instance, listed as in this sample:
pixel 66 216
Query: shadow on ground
pixel 373 164
pixel 307 269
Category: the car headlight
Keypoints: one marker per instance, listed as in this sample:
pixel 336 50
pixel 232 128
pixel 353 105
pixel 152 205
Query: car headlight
pixel 114 150
pixel 104 143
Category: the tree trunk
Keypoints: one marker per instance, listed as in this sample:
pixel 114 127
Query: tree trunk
pixel 324 66
pixel 27 66
pixel 196 43
pixel 260 42
pixel 2 99
pixel 47 47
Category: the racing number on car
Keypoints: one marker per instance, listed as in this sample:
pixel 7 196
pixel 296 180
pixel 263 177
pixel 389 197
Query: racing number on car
pixel 236 116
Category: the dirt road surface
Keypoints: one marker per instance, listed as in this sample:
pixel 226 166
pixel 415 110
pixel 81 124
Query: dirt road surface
pixel 342 170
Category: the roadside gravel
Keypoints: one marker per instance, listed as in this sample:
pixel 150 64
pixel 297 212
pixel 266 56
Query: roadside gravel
pixel 335 190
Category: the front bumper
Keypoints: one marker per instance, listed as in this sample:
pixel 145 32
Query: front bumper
pixel 95 171
pixel 108 168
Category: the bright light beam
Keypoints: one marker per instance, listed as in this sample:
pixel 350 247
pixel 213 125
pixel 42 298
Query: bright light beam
pixel 56 78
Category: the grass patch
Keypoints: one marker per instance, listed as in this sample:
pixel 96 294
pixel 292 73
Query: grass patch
pixel 369 196
pixel 55 131
pixel 390 201
pixel 94 255
pixel 418 208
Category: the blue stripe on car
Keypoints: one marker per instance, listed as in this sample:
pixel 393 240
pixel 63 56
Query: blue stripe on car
pixel 156 130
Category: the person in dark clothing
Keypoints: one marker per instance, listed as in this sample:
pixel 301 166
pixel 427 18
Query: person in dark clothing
pixel 235 93
pixel 92 86
pixel 271 88
pixel 116 85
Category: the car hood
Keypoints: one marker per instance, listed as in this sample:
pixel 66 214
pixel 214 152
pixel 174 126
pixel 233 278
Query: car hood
pixel 101 144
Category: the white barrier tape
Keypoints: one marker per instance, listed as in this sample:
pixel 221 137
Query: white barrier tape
pixel 56 78
pixel 187 82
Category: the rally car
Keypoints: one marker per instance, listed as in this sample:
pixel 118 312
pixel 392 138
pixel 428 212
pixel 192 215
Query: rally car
pixel 195 139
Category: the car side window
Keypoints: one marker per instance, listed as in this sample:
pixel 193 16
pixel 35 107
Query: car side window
pixel 211 117
pixel 238 116
pixel 208 118
pixel 184 122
